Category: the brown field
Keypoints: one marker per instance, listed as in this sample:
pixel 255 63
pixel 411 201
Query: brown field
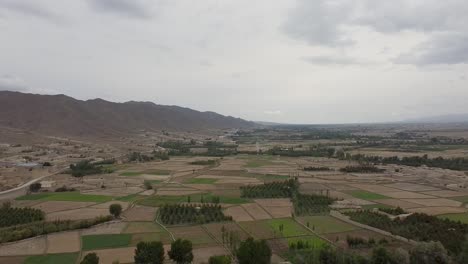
pixel 196 234
pixel 33 246
pixel 63 242
pixel 164 237
pixel 258 229
pixel 12 260
pixel 55 206
pixel 277 208
pixel 107 204
pixel 140 213
pixel 106 228
pixel 107 256
pixel 142 227
pixel 407 195
pixel 215 230
pixel 438 210
pixel 238 214
pixel 435 202
pixel 445 193
pixel 256 211
pixel 375 188
pixel 412 187
pixel 77 214
pixel 398 203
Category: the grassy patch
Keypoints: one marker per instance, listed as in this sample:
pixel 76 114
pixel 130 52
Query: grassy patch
pixel 143 227
pixel 164 237
pixel 92 242
pixel 313 240
pixel 129 198
pixel 201 181
pixel 456 217
pixel 290 227
pixel 365 195
pixel 68 258
pixel 67 196
pixel 326 224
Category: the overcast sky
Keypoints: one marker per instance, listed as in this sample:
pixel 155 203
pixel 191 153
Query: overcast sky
pixel 303 61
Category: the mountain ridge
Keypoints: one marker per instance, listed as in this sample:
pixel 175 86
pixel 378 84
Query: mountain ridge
pixel 64 115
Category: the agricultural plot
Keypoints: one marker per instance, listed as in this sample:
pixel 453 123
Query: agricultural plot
pixel 215 229
pixel 142 227
pixel 92 242
pixel 238 214
pixel 164 237
pixel 63 242
pixel 108 256
pixel 147 172
pixel 256 211
pixel 287 227
pixel 106 228
pixel 463 217
pixel 202 255
pixel 191 213
pixel 277 208
pixel 55 206
pixel 67 196
pixel 365 195
pixel 140 213
pixel 77 214
pixel 201 181
pixel 69 258
pixel 196 234
pixel 437 210
pixel 312 240
pixel 34 246
pixel 259 229
pixel 326 224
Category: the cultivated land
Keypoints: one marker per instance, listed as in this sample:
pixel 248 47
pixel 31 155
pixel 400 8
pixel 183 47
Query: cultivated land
pixel 144 187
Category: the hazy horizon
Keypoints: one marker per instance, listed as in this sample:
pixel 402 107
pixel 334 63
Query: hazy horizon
pixel 302 62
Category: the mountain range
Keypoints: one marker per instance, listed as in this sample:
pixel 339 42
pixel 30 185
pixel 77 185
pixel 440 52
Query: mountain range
pixel 61 115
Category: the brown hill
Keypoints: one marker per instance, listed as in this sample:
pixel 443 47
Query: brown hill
pixel 63 115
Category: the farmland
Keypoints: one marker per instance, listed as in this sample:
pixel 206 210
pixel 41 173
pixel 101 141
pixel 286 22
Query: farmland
pixel 290 200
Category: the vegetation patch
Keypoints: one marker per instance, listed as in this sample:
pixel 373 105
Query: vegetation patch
pixel 92 242
pixel 417 226
pixel 157 201
pixel 204 162
pixel 393 211
pixel 282 189
pixel 130 198
pixel 10 216
pixel 19 232
pixel 364 168
pixel 86 167
pixel 191 213
pixel 149 172
pixel 287 227
pixel 311 204
pixel 317 169
pixel 326 224
pixel 67 196
pixel 365 195
pixel 463 218
pixel 67 258
pixel 310 241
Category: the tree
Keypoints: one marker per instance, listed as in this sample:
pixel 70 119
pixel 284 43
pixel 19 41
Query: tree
pixel 327 255
pixel 115 210
pixel 35 187
pixel 149 253
pixel 380 256
pixel 90 258
pixel 219 260
pixel 253 252
pixel 181 251
pixel 429 253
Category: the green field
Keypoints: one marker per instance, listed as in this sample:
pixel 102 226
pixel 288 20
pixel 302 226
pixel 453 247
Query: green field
pixel 463 199
pixel 149 172
pixel 456 217
pixel 92 242
pixel 67 258
pixel 201 181
pixel 67 196
pixel 130 198
pixel 157 201
pixel 326 224
pixel 290 227
pixel 365 195
pixel 312 240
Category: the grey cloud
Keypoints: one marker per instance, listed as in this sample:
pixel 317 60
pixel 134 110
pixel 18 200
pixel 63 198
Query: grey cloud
pixel 330 60
pixel 29 8
pixel 443 22
pixel 318 22
pixel 446 48
pixel 131 8
pixel 12 83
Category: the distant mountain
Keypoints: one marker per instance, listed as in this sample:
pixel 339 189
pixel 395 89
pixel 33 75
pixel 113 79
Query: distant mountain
pixel 66 116
pixel 454 118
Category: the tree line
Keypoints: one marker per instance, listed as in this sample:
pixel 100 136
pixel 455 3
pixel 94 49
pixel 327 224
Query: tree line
pixel 10 216
pixel 173 214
